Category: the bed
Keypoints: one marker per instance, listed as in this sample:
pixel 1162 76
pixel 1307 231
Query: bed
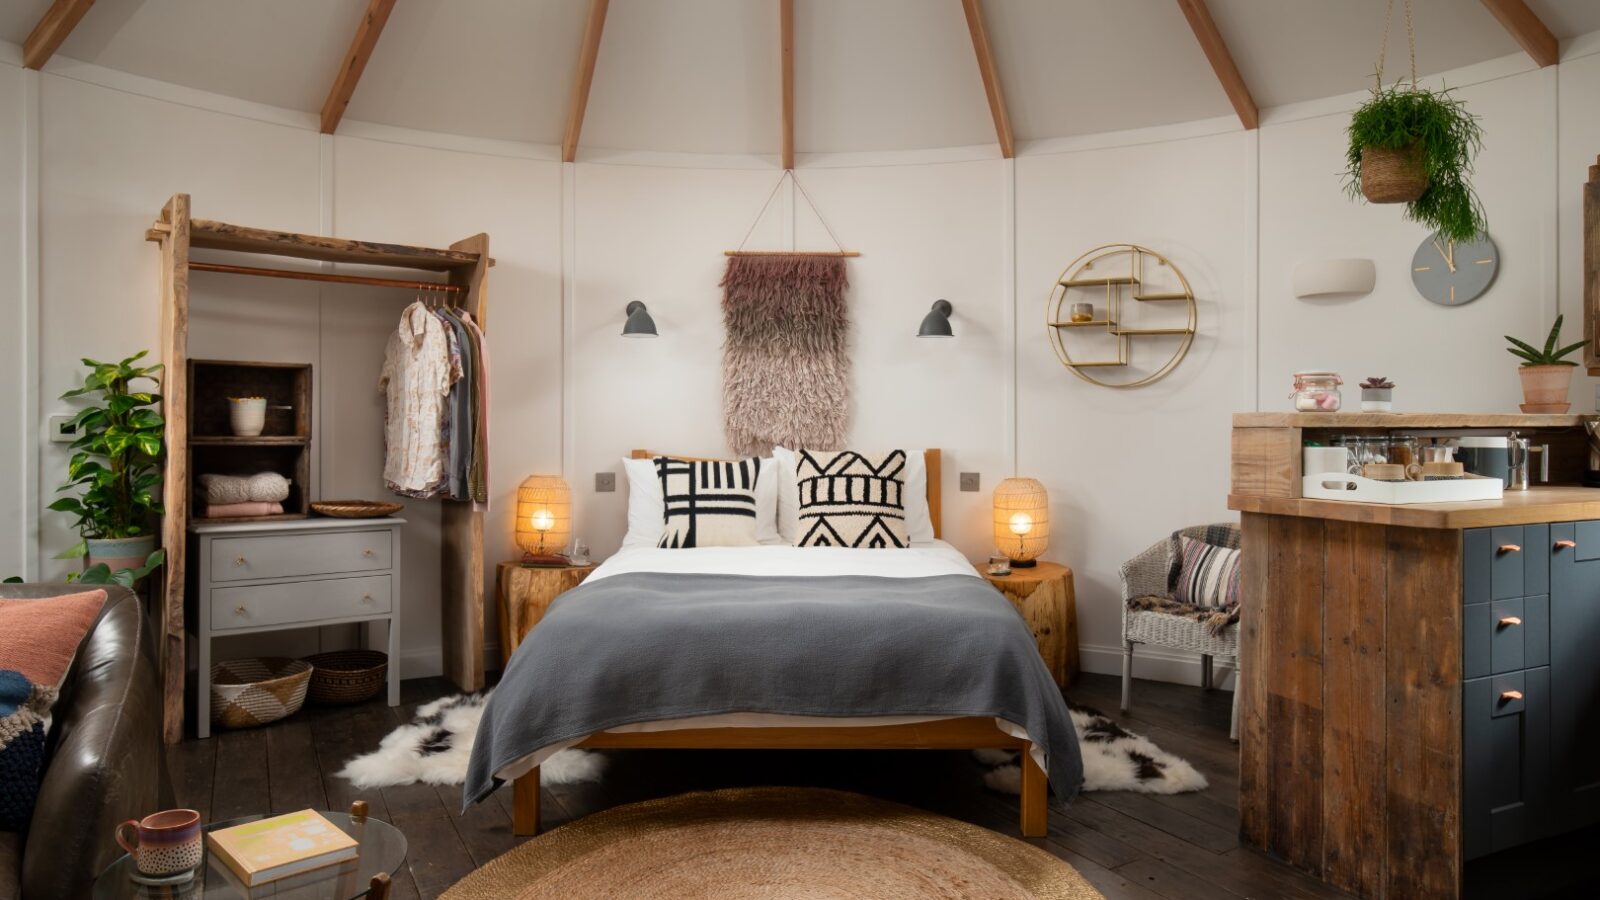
pixel 779 647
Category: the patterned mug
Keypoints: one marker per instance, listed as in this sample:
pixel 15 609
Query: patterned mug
pixel 166 843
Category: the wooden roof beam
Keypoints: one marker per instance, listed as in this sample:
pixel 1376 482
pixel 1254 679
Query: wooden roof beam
pixel 1216 50
pixel 1525 27
pixel 587 55
pixel 53 28
pixel 355 62
pixel 991 78
pixel 786 52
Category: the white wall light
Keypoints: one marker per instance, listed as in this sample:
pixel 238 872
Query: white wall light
pixel 1334 278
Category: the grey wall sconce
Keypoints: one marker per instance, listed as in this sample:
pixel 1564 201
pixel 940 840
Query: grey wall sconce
pixel 639 324
pixel 936 324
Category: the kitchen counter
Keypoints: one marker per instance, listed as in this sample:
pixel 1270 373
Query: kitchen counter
pixel 1540 504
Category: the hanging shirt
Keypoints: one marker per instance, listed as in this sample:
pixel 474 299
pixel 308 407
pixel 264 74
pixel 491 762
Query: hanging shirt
pixel 418 369
pixel 462 410
pixel 478 473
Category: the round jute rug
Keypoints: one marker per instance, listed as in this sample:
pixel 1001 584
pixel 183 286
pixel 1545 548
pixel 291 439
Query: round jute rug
pixel 747 843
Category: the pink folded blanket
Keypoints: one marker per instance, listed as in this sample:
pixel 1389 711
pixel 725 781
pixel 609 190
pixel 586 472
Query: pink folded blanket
pixel 233 510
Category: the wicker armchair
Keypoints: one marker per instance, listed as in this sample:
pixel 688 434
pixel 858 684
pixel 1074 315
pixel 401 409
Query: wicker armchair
pixel 1149 575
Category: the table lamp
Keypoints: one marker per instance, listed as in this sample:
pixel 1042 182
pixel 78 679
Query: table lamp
pixel 544 519
pixel 1021 520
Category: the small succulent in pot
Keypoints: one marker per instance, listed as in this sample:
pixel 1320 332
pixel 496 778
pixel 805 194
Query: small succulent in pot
pixel 1546 372
pixel 1377 394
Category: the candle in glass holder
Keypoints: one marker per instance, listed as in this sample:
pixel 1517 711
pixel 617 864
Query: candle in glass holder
pixel 1082 312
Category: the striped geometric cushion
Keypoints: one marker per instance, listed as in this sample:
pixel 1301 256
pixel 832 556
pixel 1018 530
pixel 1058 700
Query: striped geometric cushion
pixel 1208 576
pixel 708 503
pixel 850 499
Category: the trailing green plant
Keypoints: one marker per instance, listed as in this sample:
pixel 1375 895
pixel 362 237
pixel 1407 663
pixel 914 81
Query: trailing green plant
pixel 116 466
pixel 1548 355
pixel 100 573
pixel 1445 137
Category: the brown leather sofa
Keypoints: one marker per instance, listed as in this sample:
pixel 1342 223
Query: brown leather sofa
pixel 104 762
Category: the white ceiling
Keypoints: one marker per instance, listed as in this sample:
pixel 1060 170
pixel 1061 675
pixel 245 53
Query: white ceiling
pixel 702 76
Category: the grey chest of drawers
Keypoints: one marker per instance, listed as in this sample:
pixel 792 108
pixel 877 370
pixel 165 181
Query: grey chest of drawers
pixel 300 573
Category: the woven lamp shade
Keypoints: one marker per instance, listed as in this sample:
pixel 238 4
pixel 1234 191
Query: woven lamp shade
pixel 544 514
pixel 1021 519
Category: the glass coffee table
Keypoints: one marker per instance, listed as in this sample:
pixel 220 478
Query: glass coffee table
pixel 383 852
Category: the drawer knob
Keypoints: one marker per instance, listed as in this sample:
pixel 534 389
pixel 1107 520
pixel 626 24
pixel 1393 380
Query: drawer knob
pixel 1508 696
pixel 1508 621
pixel 369 552
pixel 1565 544
pixel 240 611
pixel 1510 548
pixel 366 598
pixel 239 561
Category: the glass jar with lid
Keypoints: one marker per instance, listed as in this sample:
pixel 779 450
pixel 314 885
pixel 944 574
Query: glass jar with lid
pixel 1317 391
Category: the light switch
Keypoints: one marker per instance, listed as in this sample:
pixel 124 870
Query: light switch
pixel 969 481
pixel 62 431
pixel 605 482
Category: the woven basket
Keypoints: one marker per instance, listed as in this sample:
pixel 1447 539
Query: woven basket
pixel 347 676
pixel 355 509
pixel 250 692
pixel 1390 175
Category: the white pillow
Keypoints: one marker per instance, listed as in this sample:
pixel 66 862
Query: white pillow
pixel 647 511
pixel 919 520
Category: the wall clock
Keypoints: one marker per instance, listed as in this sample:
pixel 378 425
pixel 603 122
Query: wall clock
pixel 1452 273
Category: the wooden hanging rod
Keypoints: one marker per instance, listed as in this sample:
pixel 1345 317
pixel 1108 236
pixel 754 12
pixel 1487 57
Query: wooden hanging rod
pixel 433 286
pixel 791 253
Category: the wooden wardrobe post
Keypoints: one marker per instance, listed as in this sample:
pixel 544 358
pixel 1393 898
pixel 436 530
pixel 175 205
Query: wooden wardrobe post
pixel 175 483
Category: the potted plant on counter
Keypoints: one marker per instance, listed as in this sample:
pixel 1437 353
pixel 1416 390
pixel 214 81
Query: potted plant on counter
pixel 1415 146
pixel 1546 372
pixel 115 466
pixel 1377 394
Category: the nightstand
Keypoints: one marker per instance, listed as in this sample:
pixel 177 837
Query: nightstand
pixel 1045 597
pixel 524 594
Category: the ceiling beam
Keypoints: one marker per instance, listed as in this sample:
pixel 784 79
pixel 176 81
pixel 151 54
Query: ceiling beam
pixel 355 62
pixel 1216 50
pixel 53 28
pixel 991 78
pixel 587 55
pixel 786 52
pixel 1526 29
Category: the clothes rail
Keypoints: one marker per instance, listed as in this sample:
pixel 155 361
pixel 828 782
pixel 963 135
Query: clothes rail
pixel 296 275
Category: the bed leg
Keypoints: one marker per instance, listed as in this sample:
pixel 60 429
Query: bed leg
pixel 525 804
pixel 1035 792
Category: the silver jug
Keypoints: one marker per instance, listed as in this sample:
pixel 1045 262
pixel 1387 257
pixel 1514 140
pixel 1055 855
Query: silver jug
pixel 1522 451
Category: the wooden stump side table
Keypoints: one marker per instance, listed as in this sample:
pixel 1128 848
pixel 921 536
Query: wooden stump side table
pixel 523 594
pixel 1044 595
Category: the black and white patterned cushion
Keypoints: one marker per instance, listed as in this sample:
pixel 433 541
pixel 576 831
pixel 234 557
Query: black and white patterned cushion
pixel 708 503
pixel 849 499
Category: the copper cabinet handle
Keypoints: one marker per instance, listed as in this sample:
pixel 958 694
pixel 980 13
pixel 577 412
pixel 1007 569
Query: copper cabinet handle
pixel 1510 548
pixel 1565 544
pixel 1509 621
pixel 1508 696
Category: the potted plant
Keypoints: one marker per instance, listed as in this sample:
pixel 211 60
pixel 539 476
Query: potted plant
pixel 116 466
pixel 1377 394
pixel 1546 372
pixel 1415 146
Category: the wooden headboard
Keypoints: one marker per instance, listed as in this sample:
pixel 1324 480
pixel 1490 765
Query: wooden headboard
pixel 930 459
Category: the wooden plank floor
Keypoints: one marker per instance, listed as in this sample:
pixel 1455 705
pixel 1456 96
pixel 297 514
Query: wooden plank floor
pixel 1130 845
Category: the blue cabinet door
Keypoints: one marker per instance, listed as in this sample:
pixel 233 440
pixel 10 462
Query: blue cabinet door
pixel 1574 555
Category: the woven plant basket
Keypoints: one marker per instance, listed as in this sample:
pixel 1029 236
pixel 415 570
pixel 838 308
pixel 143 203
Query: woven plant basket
pixel 355 509
pixel 250 692
pixel 1390 175
pixel 347 676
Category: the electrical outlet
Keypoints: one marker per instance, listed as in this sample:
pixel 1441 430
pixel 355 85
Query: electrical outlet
pixel 605 482
pixel 62 431
pixel 969 481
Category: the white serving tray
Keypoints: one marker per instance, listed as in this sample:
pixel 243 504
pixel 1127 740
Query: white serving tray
pixel 1355 488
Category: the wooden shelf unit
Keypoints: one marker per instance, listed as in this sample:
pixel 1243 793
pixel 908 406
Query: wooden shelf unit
pixel 465 264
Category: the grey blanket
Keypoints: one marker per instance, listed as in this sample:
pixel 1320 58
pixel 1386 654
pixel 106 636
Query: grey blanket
pixel 651 646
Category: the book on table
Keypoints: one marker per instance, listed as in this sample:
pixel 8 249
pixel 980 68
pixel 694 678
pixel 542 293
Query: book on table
pixel 269 849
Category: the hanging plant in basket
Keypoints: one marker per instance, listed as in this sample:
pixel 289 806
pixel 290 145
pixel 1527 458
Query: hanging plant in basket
pixel 1415 146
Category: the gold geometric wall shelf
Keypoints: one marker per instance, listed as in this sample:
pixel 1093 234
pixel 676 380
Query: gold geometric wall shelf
pixel 1106 276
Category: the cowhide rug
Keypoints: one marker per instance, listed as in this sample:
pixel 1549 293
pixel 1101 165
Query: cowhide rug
pixel 435 746
pixel 1114 759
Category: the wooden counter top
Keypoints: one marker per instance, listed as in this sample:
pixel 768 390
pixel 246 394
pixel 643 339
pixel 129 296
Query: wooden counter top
pixel 1401 420
pixel 1540 504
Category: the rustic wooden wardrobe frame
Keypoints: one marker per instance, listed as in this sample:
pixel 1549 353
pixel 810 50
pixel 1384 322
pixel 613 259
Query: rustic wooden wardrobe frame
pixel 466 268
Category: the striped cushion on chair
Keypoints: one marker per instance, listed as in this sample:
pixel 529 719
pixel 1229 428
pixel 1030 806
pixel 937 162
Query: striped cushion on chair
pixel 1208 575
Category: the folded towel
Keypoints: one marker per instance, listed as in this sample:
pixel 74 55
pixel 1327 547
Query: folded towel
pixel 234 510
pixel 262 487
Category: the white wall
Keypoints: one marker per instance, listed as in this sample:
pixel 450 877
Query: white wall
pixel 1234 210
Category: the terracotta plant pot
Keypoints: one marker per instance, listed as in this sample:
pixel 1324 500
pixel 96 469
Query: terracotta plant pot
pixel 1544 388
pixel 1392 175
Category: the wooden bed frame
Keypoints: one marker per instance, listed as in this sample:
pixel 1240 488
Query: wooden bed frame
pixel 967 733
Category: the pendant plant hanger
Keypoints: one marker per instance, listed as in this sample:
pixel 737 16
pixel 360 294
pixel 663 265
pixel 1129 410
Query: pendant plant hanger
pixel 1415 146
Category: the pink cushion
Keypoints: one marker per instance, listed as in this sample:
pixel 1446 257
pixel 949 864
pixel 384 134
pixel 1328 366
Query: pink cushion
pixel 39 637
